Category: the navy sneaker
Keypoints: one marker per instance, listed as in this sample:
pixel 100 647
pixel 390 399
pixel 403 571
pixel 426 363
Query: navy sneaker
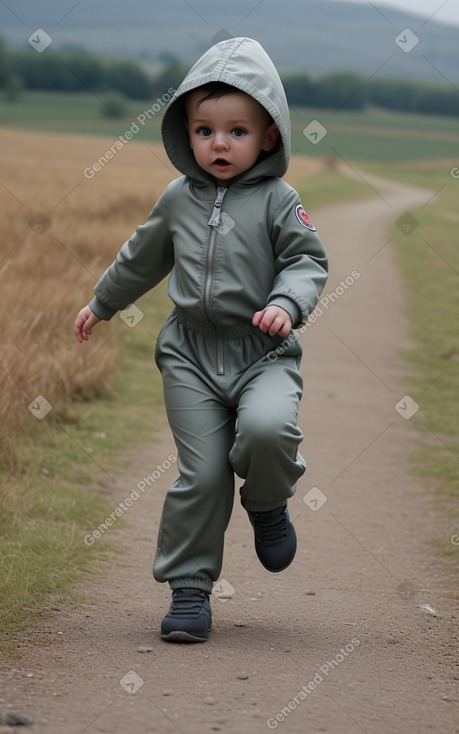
pixel 189 618
pixel 275 538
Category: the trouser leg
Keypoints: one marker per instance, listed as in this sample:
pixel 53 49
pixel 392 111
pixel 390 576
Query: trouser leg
pixel 265 452
pixel 198 504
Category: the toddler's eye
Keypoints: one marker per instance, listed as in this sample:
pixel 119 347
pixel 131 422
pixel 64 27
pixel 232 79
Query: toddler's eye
pixel 238 132
pixel 204 131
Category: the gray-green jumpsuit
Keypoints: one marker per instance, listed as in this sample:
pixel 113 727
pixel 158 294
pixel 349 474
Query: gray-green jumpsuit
pixel 231 392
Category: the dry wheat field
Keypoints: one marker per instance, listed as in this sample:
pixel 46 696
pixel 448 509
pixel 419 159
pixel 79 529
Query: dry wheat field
pixel 63 218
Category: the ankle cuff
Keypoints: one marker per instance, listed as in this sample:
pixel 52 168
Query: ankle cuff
pixel 191 582
pixel 262 506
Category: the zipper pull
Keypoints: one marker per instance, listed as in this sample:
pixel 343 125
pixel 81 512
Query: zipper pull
pixel 214 220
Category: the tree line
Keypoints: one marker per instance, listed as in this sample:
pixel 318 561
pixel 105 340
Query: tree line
pixel 353 91
pixel 81 71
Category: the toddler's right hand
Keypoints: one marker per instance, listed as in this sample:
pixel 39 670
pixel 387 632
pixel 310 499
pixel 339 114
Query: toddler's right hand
pixel 85 320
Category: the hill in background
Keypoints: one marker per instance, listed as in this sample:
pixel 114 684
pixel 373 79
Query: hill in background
pixel 311 35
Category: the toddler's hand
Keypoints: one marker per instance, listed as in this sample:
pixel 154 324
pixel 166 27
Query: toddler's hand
pixel 85 320
pixel 273 319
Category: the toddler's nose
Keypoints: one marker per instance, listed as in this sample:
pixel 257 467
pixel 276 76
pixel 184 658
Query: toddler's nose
pixel 220 142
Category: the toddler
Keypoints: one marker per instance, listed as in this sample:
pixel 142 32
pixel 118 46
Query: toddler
pixel 246 266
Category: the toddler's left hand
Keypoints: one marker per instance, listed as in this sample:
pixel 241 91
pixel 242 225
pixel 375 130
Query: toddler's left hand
pixel 273 319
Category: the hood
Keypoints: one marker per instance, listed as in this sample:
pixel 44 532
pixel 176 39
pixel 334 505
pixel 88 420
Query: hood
pixel 244 64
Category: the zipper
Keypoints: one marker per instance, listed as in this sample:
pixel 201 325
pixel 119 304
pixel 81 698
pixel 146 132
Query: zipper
pixel 214 222
pixel 220 359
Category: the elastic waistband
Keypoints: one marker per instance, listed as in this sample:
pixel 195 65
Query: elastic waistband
pixel 236 331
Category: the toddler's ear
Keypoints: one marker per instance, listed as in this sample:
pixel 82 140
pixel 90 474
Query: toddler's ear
pixel 272 133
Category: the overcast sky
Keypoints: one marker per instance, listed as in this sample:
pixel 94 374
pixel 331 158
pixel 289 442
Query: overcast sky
pixel 443 12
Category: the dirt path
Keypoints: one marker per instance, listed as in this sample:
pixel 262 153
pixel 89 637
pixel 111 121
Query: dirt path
pixel 338 643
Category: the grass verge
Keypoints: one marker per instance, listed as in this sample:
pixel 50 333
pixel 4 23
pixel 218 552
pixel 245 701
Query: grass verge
pixel 50 503
pixel 330 187
pixel 429 259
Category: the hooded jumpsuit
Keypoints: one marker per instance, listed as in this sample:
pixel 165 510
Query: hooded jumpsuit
pixel 230 391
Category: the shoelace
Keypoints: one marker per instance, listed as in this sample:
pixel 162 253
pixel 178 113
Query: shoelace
pixel 270 528
pixel 187 603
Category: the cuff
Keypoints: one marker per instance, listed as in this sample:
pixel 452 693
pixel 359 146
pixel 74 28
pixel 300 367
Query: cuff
pixel 101 310
pixel 288 305
pixel 192 582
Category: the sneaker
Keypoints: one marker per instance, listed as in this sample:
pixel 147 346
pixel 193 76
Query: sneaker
pixel 275 538
pixel 189 618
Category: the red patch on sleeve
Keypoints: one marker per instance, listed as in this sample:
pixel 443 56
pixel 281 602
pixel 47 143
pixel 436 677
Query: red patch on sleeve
pixel 303 218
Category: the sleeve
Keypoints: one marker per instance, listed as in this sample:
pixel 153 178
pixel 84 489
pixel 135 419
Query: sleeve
pixel 301 261
pixel 288 305
pixel 142 262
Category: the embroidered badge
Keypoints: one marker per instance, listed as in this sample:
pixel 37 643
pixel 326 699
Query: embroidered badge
pixel 303 218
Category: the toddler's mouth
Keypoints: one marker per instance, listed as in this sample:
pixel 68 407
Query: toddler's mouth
pixel 221 162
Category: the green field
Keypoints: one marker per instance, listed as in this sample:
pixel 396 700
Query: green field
pixel 372 134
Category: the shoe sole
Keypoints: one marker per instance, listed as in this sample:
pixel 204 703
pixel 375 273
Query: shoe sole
pixel 277 570
pixel 181 636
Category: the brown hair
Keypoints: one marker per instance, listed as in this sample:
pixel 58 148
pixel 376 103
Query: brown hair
pixel 215 90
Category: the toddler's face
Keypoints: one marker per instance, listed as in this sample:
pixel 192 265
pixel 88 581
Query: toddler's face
pixel 228 133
